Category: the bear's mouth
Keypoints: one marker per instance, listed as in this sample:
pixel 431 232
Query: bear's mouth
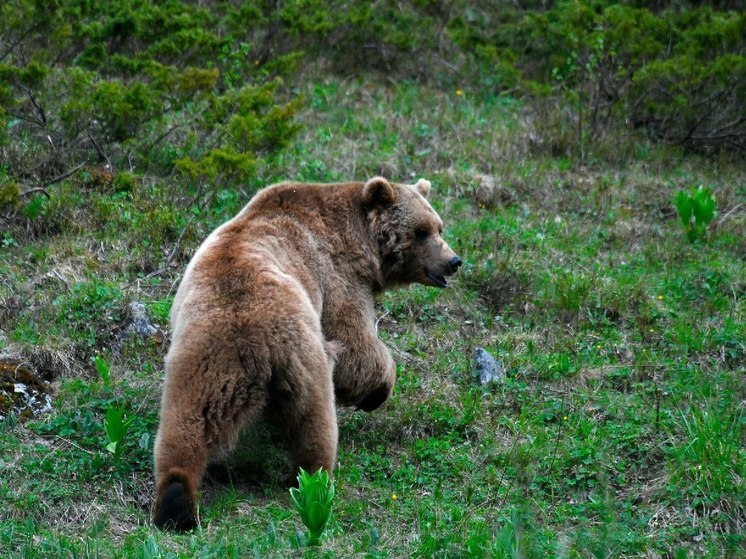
pixel 439 281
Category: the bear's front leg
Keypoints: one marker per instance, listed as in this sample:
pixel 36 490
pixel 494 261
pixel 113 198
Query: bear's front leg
pixel 365 372
pixel 376 397
pixel 376 365
pixel 301 404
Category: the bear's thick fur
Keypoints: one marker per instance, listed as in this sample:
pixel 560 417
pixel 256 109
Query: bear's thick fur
pixel 275 319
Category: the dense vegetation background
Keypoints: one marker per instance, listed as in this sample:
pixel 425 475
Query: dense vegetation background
pixel 557 136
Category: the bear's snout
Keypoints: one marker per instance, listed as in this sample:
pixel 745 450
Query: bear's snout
pixel 455 263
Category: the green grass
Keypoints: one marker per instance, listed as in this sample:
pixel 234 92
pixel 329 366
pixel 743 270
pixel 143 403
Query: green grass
pixel 618 431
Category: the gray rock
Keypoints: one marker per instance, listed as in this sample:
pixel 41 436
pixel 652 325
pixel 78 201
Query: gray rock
pixel 140 327
pixel 140 322
pixel 487 369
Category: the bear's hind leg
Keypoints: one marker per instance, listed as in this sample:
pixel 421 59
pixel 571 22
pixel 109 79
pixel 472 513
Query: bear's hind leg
pixel 175 506
pixel 308 419
pixel 311 436
pixel 208 397
pixel 180 462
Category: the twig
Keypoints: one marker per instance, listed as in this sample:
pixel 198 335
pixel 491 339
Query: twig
pixel 171 255
pixel 733 124
pixel 504 474
pixel 34 191
pixel 68 441
pixel 733 209
pixel 161 137
pixel 65 148
pixel 43 122
pixel 20 39
pixel 100 151
pixel 60 277
pixel 560 432
pixel 380 318
pixel 65 175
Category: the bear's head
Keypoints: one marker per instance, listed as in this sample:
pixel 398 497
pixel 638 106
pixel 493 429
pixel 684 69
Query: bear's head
pixel 408 232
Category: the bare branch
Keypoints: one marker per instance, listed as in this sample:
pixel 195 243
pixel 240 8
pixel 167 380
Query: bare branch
pixel 102 156
pixel 65 175
pixel 12 47
pixel 34 191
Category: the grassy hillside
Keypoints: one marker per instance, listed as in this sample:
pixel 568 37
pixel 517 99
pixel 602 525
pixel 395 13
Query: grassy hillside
pixel 617 432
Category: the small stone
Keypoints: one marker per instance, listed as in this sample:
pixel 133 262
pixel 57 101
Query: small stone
pixel 140 322
pixel 486 368
pixel 485 192
pixel 139 327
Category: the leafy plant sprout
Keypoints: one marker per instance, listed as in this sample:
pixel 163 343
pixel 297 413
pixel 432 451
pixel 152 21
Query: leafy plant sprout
pixel 116 429
pixel 696 210
pixel 313 500
pixel 103 368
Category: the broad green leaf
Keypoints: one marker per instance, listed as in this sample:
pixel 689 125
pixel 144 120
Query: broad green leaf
pixel 113 423
pixel 684 207
pixel 103 368
pixel 704 206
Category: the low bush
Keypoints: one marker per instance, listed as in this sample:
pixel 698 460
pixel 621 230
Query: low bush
pixel 117 88
pixel 679 73
pixel 195 87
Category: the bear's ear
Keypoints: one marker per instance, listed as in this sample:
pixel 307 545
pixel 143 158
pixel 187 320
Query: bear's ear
pixel 423 187
pixel 378 191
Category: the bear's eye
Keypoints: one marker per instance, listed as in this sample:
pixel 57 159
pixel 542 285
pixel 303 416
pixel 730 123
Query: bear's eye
pixel 421 234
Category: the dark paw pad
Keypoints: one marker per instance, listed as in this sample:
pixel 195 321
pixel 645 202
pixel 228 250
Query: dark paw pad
pixel 175 511
pixel 374 399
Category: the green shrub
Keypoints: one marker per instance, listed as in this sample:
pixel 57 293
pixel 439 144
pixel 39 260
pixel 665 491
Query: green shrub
pixel 112 82
pixel 695 95
pixel 678 73
pixel 9 194
pixel 108 82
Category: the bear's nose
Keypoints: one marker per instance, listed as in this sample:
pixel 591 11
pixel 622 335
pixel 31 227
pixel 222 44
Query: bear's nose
pixel 454 263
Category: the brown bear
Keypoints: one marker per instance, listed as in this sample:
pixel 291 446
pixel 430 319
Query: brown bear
pixel 275 319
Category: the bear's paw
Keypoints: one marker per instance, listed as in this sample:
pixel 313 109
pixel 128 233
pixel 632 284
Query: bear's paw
pixel 175 511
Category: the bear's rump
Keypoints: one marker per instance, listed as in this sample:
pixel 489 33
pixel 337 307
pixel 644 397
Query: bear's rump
pixel 230 364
